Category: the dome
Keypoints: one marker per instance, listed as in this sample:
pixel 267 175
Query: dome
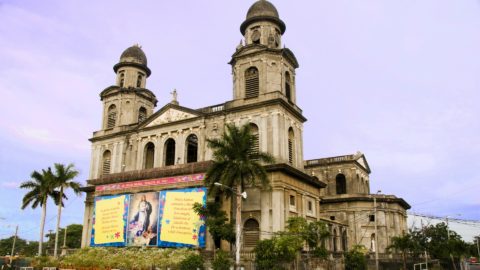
pixel 134 54
pixel 262 10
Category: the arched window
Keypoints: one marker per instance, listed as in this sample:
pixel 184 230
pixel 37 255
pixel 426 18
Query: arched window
pixel 139 80
pixel 122 79
pixel 192 148
pixel 341 184
pixel 255 147
pixel 288 83
pixel 252 83
pixel 111 116
pixel 344 241
pixel 251 233
pixel 142 114
pixel 149 155
pixel 170 152
pixel 335 237
pixel 106 162
pixel 291 146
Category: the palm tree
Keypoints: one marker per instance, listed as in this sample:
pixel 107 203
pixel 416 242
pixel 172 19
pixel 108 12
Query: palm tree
pixel 235 165
pixel 41 187
pixel 63 180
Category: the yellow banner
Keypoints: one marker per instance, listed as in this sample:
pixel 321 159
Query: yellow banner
pixel 109 224
pixel 180 224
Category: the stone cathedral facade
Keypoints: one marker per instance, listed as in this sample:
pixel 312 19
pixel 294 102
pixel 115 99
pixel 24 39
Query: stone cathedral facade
pixel 139 141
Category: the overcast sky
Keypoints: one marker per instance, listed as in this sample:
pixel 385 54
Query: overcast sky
pixel 396 80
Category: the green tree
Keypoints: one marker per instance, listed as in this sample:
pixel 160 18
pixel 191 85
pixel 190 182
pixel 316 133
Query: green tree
pixel 404 244
pixel 236 165
pixel 22 247
pixel 355 259
pixel 41 188
pixel 313 233
pixel 216 221
pixel 74 236
pixel 63 180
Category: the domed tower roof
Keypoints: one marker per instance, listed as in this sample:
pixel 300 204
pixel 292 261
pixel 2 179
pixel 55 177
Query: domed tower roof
pixel 133 56
pixel 262 10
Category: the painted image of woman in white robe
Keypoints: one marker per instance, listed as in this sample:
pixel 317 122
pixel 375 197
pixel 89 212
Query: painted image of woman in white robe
pixel 142 230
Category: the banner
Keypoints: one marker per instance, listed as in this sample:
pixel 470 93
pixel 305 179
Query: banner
pixel 142 219
pixel 179 225
pixel 109 221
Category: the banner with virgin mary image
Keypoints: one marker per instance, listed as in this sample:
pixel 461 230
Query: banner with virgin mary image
pixel 143 219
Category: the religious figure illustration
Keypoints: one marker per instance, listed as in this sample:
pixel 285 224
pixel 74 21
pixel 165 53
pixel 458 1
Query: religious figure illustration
pixel 141 220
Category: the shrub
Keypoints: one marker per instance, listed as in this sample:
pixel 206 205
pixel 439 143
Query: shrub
pixel 192 262
pixel 355 260
pixel 222 261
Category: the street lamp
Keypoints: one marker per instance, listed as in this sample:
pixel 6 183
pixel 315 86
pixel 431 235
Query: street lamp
pixel 376 230
pixel 243 194
pixel 237 219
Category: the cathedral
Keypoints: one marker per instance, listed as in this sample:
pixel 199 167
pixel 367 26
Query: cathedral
pixel 145 150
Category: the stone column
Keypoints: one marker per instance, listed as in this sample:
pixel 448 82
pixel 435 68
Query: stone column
pixel 278 210
pixel 265 207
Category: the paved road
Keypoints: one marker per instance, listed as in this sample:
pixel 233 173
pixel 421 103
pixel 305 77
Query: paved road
pixel 474 267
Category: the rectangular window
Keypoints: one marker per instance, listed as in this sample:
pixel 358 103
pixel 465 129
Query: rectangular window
pixel 372 218
pixel 310 206
pixel 332 217
pixel 292 200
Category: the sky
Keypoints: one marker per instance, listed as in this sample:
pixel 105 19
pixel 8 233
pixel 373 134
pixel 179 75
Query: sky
pixel 396 80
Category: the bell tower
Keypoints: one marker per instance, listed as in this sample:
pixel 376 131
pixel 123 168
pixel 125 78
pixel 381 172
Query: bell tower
pixel 262 69
pixel 128 102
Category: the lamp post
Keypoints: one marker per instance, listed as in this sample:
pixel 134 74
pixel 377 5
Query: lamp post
pixel 448 239
pixel 237 220
pixel 376 229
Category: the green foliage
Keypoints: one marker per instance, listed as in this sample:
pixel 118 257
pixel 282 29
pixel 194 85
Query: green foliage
pixel 234 162
pixel 222 261
pixel 74 236
pixel 22 247
pixel 313 233
pixel 126 258
pixel 277 252
pixel 192 262
pixel 216 222
pixel 44 261
pixel 355 259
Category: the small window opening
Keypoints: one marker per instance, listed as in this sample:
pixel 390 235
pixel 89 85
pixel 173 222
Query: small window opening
pixel 288 93
pixel 332 217
pixel 170 152
pixel 192 148
pixel 122 79
pixel 255 146
pixel 142 114
pixel 106 162
pixel 341 184
pixel 149 155
pixel 292 200
pixel 291 146
pixel 371 218
pixel 111 116
pixel 310 206
pixel 139 80
pixel 252 83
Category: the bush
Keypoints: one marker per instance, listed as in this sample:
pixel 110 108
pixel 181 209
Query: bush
pixel 265 256
pixel 222 261
pixel 125 258
pixel 192 262
pixel 355 260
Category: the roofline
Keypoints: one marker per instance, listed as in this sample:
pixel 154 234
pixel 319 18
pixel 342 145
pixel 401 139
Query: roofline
pixel 367 198
pixel 288 169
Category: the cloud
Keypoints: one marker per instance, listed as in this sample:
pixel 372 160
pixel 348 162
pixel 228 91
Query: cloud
pixel 10 184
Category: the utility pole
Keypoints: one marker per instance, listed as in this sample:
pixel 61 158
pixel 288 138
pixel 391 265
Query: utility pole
pixel 13 246
pixel 478 245
pixel 376 229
